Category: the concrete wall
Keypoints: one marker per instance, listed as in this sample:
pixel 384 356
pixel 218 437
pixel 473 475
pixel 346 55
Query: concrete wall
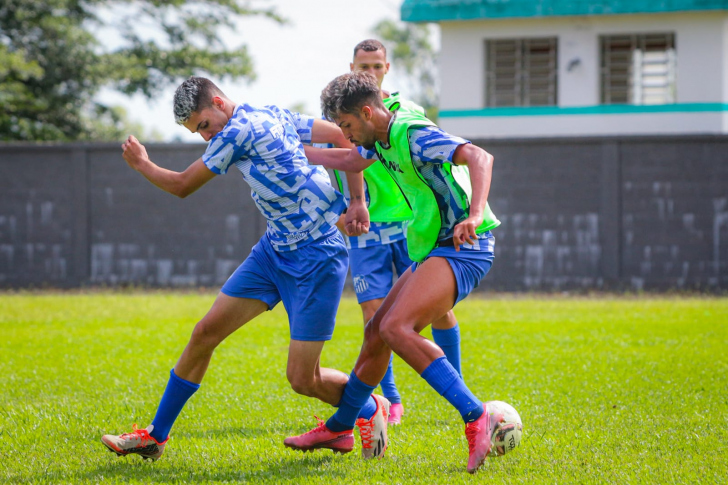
pixel 78 215
pixel 577 213
pixel 701 40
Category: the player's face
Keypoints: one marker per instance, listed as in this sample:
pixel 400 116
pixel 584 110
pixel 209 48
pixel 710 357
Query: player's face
pixel 357 129
pixel 375 63
pixel 207 122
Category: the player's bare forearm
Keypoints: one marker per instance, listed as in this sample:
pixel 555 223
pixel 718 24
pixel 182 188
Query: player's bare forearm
pixel 180 184
pixel 327 132
pixel 343 159
pixel 480 166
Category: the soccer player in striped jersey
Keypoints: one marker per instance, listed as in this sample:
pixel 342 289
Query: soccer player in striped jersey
pixel 301 259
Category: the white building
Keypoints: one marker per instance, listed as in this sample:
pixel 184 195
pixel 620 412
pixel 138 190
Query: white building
pixel 519 68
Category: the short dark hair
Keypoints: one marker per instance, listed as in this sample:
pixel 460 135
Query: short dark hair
pixel 195 94
pixel 370 45
pixel 348 93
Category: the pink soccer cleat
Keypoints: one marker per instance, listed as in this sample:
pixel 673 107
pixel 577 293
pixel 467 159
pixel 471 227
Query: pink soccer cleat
pixel 479 434
pixel 396 411
pixel 322 437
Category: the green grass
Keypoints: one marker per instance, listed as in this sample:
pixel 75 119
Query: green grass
pixel 611 390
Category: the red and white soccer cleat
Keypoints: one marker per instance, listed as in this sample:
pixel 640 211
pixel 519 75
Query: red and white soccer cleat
pixel 373 431
pixel 137 442
pixel 322 437
pixel 479 434
pixel 396 411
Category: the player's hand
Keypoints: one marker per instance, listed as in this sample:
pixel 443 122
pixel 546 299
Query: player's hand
pixel 134 152
pixel 357 219
pixel 465 231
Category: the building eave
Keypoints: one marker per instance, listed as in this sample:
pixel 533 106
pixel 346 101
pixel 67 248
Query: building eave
pixel 452 10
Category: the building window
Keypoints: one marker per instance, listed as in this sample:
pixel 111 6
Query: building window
pixel 638 69
pixel 521 72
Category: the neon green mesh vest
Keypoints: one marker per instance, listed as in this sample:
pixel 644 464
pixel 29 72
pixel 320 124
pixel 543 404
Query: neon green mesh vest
pixel 386 202
pixel 424 229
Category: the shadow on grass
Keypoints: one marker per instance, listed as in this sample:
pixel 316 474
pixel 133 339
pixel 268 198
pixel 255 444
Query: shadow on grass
pixel 221 433
pixel 267 469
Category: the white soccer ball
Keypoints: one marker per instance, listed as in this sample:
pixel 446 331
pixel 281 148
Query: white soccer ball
pixel 507 433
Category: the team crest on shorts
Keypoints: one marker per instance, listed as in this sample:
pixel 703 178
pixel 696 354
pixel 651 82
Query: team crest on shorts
pixel 360 284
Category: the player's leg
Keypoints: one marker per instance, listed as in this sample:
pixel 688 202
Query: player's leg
pixel 372 267
pixel 445 278
pixel 445 330
pixel 226 315
pixel 446 334
pixel 308 378
pixel 311 292
pixel 356 400
pixel 246 294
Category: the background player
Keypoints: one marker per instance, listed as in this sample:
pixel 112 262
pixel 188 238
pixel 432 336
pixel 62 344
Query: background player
pixel 449 237
pixel 373 255
pixel 301 259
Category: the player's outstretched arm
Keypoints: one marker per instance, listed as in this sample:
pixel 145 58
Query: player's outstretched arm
pixel 180 184
pixel 326 132
pixel 480 165
pixel 343 159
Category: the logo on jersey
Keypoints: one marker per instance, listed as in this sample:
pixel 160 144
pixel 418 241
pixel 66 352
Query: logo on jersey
pixel 392 166
pixel 360 284
pixel 276 131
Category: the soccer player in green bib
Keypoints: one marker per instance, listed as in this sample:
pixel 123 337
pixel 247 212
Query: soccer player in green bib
pixel 446 181
pixel 373 256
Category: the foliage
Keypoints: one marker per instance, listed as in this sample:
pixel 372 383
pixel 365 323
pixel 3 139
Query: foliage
pixel 410 49
pixel 55 55
pixel 610 390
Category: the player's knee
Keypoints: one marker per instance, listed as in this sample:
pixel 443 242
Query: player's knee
pixel 205 336
pixel 390 332
pixel 372 338
pixel 302 385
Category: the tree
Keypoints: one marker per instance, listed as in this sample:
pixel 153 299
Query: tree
pixel 55 55
pixel 410 49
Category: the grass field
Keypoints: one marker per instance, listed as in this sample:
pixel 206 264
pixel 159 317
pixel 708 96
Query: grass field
pixel 611 390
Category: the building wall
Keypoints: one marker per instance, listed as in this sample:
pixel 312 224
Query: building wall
pixel 586 213
pixel 701 40
pixel 74 215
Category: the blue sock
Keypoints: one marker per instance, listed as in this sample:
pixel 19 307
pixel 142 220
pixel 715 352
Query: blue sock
pixel 175 396
pixel 389 389
pixel 445 380
pixel 449 342
pixel 356 402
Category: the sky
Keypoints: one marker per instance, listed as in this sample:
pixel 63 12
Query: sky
pixel 293 62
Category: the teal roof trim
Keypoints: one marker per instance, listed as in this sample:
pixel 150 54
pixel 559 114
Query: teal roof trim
pixel 439 10
pixel 602 109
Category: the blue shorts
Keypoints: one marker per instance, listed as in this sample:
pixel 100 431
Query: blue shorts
pixel 371 268
pixel 308 280
pixel 469 265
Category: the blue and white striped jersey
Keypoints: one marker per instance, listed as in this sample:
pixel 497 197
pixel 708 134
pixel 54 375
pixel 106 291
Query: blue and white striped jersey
pixel 266 145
